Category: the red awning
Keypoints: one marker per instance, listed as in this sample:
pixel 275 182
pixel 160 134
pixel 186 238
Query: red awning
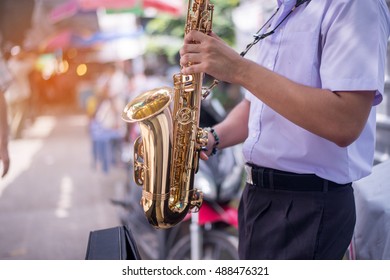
pixel 174 7
pixel 108 4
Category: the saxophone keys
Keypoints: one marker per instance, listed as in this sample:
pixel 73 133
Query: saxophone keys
pixel 202 137
pixel 196 201
pixel 139 170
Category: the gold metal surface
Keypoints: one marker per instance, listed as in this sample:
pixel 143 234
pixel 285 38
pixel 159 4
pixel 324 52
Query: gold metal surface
pixel 166 154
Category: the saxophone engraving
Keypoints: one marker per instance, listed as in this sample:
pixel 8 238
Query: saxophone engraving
pixel 166 154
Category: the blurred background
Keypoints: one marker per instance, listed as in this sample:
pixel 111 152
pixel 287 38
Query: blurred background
pixel 69 148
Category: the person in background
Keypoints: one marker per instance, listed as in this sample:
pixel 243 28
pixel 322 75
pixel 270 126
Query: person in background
pixel 310 110
pixel 112 87
pixel 5 81
pixel 18 94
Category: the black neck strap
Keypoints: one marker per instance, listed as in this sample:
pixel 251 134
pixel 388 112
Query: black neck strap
pixel 260 36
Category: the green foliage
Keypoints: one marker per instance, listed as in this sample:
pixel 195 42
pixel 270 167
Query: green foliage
pixel 164 25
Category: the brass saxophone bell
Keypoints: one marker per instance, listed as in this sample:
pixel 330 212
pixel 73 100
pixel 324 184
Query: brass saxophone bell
pixel 148 104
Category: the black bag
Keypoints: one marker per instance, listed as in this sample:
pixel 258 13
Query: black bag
pixel 115 243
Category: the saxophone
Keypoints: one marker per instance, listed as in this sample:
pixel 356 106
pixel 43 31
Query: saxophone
pixel 166 154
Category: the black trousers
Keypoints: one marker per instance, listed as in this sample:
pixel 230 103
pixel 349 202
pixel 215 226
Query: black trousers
pixel 290 224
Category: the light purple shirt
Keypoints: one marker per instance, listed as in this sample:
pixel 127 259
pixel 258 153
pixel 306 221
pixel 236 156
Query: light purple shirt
pixel 332 44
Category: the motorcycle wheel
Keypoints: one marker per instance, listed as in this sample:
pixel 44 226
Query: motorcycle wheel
pixel 217 245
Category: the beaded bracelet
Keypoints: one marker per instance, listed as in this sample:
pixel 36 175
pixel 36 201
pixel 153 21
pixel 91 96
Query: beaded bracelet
pixel 216 140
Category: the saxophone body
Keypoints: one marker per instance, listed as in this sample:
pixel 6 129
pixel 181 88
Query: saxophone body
pixel 166 154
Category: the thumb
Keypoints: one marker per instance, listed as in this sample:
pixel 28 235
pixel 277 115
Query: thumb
pixel 203 155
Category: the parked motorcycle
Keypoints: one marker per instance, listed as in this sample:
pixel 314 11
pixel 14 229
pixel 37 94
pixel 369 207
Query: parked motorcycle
pixel 213 230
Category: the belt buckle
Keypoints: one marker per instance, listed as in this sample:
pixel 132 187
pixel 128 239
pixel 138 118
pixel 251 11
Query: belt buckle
pixel 249 178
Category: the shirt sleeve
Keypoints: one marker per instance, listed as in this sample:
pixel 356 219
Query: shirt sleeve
pixel 354 40
pixel 247 94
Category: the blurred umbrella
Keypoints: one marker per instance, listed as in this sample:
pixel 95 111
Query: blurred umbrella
pixel 101 37
pixel 61 40
pixel 68 39
pixel 64 11
pixel 168 6
pixel 108 4
pixel 72 7
pixel 112 42
pixel 174 7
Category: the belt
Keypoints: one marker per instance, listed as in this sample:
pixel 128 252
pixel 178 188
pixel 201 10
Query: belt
pixel 281 180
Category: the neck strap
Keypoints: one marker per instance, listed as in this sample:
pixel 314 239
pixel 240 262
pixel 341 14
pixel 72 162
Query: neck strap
pixel 260 36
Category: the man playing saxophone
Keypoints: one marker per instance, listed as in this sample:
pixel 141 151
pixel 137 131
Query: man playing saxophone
pixel 310 109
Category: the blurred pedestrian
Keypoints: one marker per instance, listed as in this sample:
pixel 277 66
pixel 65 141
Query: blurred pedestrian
pixel 5 81
pixel 112 87
pixel 18 93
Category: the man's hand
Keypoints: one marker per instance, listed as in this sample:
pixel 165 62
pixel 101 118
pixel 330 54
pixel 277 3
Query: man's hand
pixel 207 53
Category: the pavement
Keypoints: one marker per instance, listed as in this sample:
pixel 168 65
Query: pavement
pixel 54 195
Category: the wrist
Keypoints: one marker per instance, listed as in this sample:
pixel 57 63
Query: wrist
pixel 215 140
pixel 243 69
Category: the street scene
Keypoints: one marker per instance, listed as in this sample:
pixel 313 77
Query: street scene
pixel 54 194
pixel 74 66
pixel 77 64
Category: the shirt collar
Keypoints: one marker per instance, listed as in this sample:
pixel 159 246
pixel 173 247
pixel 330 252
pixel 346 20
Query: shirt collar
pixel 287 2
